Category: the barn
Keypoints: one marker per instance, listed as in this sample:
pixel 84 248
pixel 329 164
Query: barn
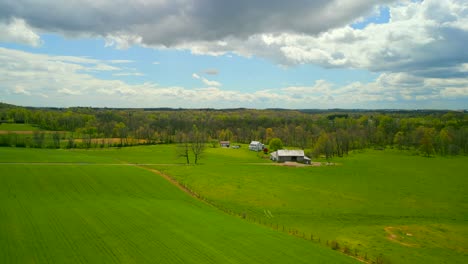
pixel 224 144
pixel 283 155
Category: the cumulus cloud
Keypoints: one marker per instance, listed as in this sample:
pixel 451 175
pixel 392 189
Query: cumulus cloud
pixel 18 31
pixel 167 23
pixel 425 38
pixel 46 80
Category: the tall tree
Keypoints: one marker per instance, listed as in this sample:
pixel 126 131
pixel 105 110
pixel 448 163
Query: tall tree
pixel 427 146
pixel 197 143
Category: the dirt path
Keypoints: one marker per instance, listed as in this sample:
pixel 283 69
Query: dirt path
pixel 294 164
pixel 395 238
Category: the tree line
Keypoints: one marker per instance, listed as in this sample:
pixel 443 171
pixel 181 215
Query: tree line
pixel 319 132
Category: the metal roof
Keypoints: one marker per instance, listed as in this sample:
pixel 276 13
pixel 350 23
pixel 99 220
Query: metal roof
pixel 290 153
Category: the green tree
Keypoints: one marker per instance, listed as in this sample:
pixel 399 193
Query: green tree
pixel 444 141
pixel 121 131
pixel 38 138
pixel 427 145
pixel 56 139
pixel 324 145
pixel 275 144
pixel 399 139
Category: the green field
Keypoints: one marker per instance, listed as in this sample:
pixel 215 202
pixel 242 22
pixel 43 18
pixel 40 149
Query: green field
pixel 63 206
pixel 17 127
pixel 409 208
pixel 91 207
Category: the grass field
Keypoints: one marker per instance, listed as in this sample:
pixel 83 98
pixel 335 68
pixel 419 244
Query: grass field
pixel 411 209
pixel 63 206
pixel 17 127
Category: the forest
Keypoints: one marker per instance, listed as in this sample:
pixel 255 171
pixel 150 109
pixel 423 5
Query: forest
pixel 330 133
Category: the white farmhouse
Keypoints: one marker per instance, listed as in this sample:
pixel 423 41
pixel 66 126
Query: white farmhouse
pixel 256 146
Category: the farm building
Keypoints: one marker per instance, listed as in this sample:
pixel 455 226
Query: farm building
pixel 256 146
pixel 224 144
pixel 283 155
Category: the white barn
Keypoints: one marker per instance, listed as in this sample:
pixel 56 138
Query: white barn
pixel 256 146
pixel 283 155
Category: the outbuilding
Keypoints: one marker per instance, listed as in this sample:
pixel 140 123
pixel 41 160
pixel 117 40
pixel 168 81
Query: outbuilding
pixel 225 144
pixel 283 155
pixel 256 146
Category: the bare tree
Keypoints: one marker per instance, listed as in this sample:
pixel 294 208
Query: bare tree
pixel 197 143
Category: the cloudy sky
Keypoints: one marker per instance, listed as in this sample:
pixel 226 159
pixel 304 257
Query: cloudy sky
pixel 244 53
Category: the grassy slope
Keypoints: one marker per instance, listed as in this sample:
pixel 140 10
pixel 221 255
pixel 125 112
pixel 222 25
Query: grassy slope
pixel 115 214
pixel 353 202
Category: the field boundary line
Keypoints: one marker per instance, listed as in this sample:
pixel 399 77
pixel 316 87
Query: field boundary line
pixel 173 182
pixel 90 164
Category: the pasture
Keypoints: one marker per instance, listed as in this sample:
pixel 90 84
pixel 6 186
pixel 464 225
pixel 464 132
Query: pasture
pixel 410 209
pixel 62 206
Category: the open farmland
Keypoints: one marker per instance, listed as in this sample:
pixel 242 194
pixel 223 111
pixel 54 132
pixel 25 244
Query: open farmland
pixel 410 209
pixel 61 206
pixel 5 127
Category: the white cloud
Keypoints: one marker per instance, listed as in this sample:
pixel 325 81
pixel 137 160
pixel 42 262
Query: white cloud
pixel 207 82
pixel 44 80
pixel 156 63
pixel 68 91
pixel 18 89
pixel 103 67
pixel 121 61
pixel 18 31
pixel 211 83
pixel 424 39
pixel 128 74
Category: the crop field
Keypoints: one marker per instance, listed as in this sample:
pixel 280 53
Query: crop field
pixel 410 209
pixel 91 206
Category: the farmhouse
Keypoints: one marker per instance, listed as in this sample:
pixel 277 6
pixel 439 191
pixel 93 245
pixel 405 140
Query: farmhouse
pixel 283 155
pixel 256 146
pixel 224 144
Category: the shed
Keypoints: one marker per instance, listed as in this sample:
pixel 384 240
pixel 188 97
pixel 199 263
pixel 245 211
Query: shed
pixel 224 144
pixel 256 146
pixel 283 155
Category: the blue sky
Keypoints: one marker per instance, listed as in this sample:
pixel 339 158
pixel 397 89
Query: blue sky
pixel 372 54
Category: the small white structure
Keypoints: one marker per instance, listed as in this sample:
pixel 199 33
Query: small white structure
pixel 225 144
pixel 283 155
pixel 256 146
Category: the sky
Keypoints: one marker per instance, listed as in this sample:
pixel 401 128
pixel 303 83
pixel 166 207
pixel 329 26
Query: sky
pixel 302 54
